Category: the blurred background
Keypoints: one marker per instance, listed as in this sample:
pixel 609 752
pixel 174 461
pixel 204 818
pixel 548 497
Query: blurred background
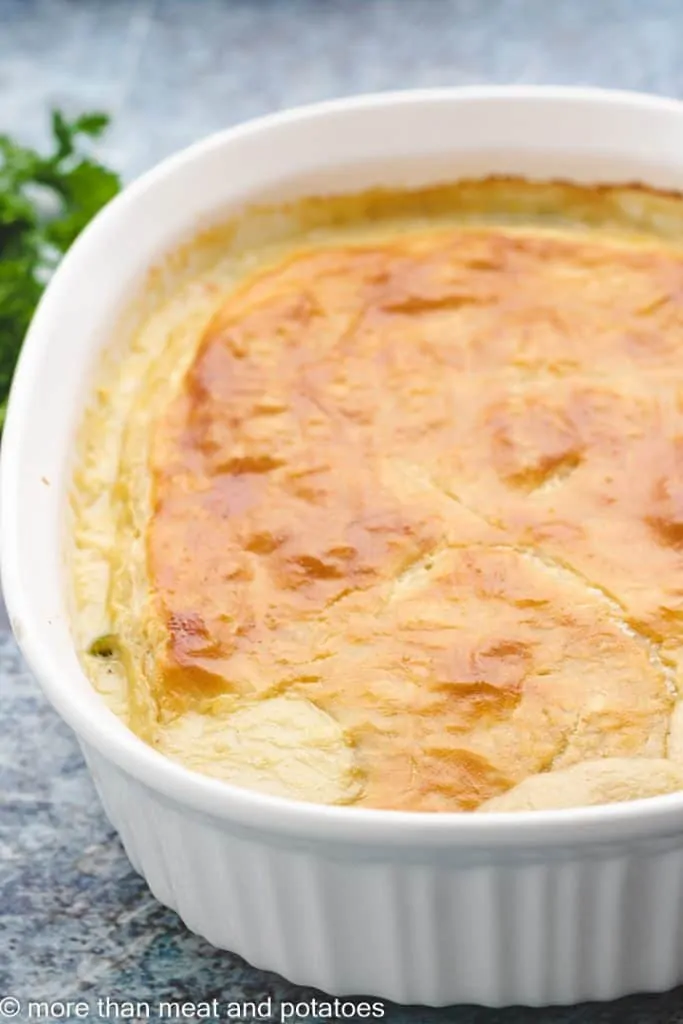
pixel 75 921
pixel 170 71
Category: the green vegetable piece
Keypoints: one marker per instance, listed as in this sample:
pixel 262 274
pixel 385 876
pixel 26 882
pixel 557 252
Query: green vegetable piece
pixel 105 646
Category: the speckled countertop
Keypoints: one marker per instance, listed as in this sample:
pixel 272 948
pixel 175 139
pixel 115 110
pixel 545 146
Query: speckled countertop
pixel 75 921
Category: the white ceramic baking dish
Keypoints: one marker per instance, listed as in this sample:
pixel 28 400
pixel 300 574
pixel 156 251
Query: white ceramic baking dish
pixel 528 908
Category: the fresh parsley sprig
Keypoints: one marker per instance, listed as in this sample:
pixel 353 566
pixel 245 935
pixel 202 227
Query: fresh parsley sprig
pixel 45 202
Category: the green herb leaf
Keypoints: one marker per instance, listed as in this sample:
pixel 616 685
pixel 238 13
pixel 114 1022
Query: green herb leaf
pixel 92 124
pixel 45 202
pixel 64 136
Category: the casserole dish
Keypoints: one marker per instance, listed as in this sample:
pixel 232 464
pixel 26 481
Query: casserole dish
pixel 530 907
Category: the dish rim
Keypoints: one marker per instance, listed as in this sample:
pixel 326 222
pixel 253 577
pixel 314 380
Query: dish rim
pixel 102 730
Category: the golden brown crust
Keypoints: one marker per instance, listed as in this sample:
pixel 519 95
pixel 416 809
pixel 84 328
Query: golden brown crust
pixel 430 485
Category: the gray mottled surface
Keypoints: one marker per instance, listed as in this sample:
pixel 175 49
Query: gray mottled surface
pixel 75 921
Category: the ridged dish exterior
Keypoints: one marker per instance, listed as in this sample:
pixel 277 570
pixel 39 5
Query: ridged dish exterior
pixel 586 923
